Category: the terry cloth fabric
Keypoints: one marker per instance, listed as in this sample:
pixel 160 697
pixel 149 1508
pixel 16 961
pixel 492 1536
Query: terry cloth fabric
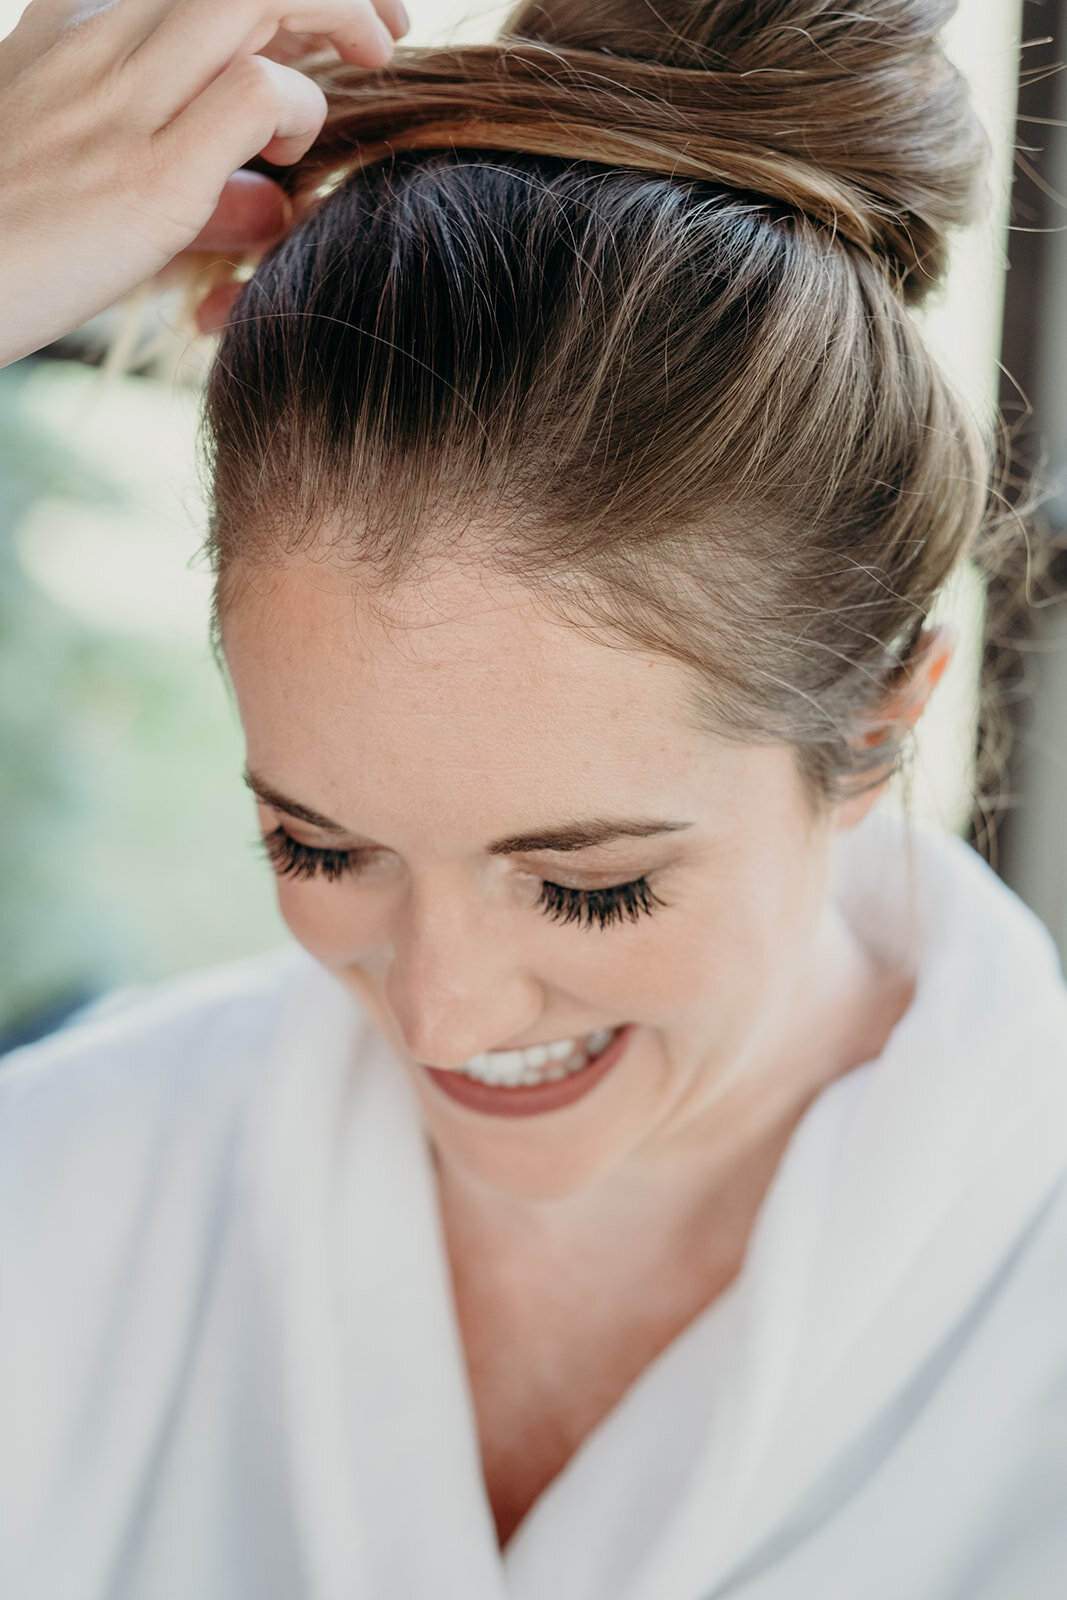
pixel 230 1367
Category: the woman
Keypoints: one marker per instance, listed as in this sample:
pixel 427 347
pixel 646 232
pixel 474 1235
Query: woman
pixel 644 1175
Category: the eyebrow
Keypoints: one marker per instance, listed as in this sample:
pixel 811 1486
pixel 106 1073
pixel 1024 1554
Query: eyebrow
pixel 583 835
pixel 571 836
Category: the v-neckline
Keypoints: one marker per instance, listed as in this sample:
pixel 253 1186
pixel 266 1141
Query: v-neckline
pixel 747 1407
pixel 668 1405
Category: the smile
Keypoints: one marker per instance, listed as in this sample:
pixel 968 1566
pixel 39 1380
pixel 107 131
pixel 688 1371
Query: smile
pixel 541 1063
pixel 545 1077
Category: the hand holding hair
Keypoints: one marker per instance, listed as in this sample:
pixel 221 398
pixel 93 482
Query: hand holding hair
pixel 124 127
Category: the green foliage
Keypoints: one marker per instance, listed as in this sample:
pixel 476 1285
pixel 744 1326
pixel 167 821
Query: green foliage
pixel 124 830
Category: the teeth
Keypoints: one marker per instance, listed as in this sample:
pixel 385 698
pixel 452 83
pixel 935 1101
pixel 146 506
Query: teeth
pixel 541 1063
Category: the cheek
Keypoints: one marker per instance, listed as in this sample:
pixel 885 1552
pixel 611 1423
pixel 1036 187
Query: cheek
pixel 721 954
pixel 658 973
pixel 716 954
pixel 330 920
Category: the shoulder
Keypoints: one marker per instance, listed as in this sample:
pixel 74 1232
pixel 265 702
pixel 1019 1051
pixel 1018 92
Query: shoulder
pixel 141 1040
pixel 147 1088
pixel 123 1186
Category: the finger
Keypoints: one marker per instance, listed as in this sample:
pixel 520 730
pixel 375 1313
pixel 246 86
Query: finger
pixel 252 210
pixel 255 107
pixel 197 39
pixel 287 47
pixel 394 16
pixel 212 313
pixel 134 22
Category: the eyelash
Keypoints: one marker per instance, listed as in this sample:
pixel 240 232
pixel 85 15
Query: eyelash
pixel 291 859
pixel 621 902
pixel 588 908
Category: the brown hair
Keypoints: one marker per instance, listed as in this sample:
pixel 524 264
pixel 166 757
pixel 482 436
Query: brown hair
pixel 618 304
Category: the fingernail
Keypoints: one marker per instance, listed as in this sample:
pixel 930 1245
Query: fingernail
pixel 405 20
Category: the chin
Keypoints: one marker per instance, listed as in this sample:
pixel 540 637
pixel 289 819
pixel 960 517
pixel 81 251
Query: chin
pixel 528 1159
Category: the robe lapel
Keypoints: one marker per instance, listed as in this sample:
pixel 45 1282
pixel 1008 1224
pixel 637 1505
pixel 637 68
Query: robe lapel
pixel 894 1216
pixel 382 1441
pixel 905 1197
pixel 903 1200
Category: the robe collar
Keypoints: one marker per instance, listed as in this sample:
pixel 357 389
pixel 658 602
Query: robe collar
pixel 904 1193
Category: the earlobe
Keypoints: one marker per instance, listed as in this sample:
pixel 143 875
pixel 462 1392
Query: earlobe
pixel 921 676
pixel 928 666
pixel 934 653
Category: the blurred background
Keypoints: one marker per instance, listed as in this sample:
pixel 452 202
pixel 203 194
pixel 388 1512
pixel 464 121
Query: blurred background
pixel 127 839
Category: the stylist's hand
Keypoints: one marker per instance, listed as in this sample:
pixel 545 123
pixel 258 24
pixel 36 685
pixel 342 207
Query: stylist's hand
pixel 122 129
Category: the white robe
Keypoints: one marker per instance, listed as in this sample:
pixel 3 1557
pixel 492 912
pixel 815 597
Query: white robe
pixel 230 1366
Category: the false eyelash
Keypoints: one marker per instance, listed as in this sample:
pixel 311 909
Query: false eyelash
pixel 292 859
pixel 621 902
pixel 588 908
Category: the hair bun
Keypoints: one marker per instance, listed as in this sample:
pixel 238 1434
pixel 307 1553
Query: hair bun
pixel 864 95
pixel 854 117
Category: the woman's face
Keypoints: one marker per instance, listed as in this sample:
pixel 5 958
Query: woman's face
pixel 491 778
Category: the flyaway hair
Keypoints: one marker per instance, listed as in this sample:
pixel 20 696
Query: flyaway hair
pixel 620 304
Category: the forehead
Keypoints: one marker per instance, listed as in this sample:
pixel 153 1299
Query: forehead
pixel 459 692
pixel 474 649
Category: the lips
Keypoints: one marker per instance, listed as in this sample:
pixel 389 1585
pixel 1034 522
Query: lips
pixel 524 1100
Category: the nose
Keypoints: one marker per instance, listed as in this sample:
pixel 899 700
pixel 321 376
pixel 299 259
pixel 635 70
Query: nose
pixel 455 985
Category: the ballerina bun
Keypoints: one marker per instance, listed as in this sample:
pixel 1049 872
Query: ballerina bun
pixel 853 117
pixel 865 96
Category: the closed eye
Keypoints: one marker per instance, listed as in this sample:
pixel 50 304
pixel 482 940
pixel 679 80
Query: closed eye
pixel 585 908
pixel 599 908
pixel 291 859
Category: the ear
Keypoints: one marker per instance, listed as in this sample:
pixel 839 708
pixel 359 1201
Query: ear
pixel 906 704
